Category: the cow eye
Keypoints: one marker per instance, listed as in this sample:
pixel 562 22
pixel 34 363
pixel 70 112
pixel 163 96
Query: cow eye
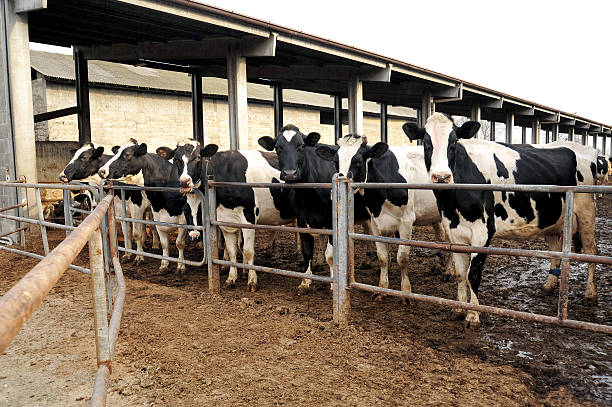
pixel 300 147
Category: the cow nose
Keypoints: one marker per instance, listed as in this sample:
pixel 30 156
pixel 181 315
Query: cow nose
pixel 185 182
pixel 441 178
pixel 290 174
pixel 102 172
pixel 63 178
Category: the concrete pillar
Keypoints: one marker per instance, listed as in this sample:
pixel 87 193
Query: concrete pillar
pixel 82 96
pixel 475 115
pixel 355 105
pixel 555 132
pixel 278 109
pixel 20 85
pixel 595 135
pixel 509 126
pixel 337 117
pixel 585 137
pixel 492 134
pixel 547 136
pixel 427 107
pixel 524 135
pixel 197 109
pixel 535 131
pixel 237 100
pixel 603 143
pixel 383 123
pixel 570 133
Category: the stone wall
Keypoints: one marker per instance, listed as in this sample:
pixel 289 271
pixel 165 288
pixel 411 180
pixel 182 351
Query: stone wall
pixel 162 119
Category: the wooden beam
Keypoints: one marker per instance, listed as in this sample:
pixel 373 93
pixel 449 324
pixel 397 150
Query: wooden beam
pixel 82 97
pixel 67 111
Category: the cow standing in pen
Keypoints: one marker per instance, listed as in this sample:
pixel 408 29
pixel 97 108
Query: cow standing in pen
pixel 268 206
pixel 391 210
pixel 84 167
pixel 475 217
pixel 135 166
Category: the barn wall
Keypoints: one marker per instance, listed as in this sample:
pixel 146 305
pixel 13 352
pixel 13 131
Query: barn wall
pixel 163 119
pixel 51 158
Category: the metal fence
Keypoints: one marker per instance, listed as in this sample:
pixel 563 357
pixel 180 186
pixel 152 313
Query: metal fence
pixel 97 229
pixel 343 279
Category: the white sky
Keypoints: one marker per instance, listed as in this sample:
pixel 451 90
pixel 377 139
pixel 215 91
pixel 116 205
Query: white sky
pixel 556 53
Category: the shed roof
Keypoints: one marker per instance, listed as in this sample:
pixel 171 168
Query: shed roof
pixel 61 67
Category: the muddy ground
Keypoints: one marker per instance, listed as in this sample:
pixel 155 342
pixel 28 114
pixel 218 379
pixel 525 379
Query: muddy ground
pixel 180 346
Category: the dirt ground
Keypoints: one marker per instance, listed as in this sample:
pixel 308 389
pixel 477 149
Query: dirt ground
pixel 180 346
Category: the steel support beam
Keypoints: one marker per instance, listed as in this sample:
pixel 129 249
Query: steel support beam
pixel 509 126
pixel 337 117
pixel 237 100
pixel 278 108
pixel 197 108
pixel 524 135
pixel 595 140
pixel 492 134
pixel 547 136
pixel 82 97
pixel 383 123
pixel 585 137
pixel 427 107
pixel 355 105
pixel 570 133
pixel 603 143
pixel 476 115
pixel 555 131
pixel 535 131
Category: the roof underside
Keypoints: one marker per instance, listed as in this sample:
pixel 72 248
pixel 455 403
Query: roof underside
pixel 153 33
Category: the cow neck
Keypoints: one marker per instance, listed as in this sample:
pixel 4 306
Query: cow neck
pixel 158 172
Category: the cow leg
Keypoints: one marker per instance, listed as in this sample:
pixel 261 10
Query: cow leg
pixel 307 242
pixel 138 231
pixel 231 248
pixel 461 261
pixel 248 254
pixel 382 251
pixel 126 228
pixel 329 256
pixel 554 244
pixel 403 254
pixel 585 214
pixel 165 244
pixel 180 245
pixel 155 237
pixel 447 270
pixel 472 319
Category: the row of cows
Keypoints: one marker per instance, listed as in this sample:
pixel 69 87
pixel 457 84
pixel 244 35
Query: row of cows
pixel 450 154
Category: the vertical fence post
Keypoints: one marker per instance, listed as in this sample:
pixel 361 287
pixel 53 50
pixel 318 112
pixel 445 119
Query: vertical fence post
pixel 41 219
pixel 350 207
pixel 67 211
pixel 341 302
pixel 126 232
pixel 98 284
pixel 203 218
pixel 565 263
pixel 214 282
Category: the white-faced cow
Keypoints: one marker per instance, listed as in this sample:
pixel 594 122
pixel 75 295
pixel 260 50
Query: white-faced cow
pixel 133 165
pixel 392 211
pixel 602 170
pixel 84 167
pixel 268 206
pixel 475 217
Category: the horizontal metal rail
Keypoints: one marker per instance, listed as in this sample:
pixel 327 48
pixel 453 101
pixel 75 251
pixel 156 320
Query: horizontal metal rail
pixel 486 187
pixel 281 272
pixel 461 248
pixel 37 222
pixel 569 323
pixel 288 229
pixel 18 304
pixel 71 187
pixel 162 257
pixel 321 185
pixel 40 257
pixel 13 231
pixel 8 208
pixel 157 223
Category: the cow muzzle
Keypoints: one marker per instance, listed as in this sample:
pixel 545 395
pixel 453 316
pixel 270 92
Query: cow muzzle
pixel 289 175
pixel 441 178
pixel 63 178
pixel 186 184
pixel 102 173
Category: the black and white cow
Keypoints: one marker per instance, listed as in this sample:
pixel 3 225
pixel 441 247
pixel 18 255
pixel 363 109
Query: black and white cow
pixel 83 167
pixel 133 165
pixel 299 162
pixel 269 206
pixel 602 170
pixel 475 217
pixel 391 210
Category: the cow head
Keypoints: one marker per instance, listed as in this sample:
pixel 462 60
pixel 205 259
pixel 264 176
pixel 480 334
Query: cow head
pixel 165 152
pixel 85 162
pixel 128 160
pixel 440 137
pixel 289 145
pixel 187 159
pixel 352 155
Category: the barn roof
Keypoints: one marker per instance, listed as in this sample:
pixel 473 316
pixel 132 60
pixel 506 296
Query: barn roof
pixel 61 67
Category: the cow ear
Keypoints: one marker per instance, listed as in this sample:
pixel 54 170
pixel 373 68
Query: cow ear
pixel 209 150
pixel 327 152
pixel 468 129
pixel 267 142
pixel 141 150
pixel 312 139
pixel 377 150
pixel 413 131
pixel 115 149
pixel 97 152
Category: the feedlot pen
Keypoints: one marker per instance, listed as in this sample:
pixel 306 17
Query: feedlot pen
pixel 274 346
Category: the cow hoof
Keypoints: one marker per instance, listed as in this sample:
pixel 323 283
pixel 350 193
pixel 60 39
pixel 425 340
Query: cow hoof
pixel 590 299
pixel 126 256
pixel 252 287
pixel 162 271
pixel 229 285
pixel 472 321
pixel 407 302
pixel 303 289
pixel 138 260
pixel 181 268
pixel 155 246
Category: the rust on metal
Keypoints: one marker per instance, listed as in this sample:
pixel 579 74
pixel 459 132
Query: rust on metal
pixel 8 208
pixel 288 229
pixel 286 273
pixel 13 231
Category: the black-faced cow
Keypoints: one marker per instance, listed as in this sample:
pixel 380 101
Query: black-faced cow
pixel 269 206
pixel 133 165
pixel 83 167
pixel 602 170
pixel 299 162
pixel 391 210
pixel 475 217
